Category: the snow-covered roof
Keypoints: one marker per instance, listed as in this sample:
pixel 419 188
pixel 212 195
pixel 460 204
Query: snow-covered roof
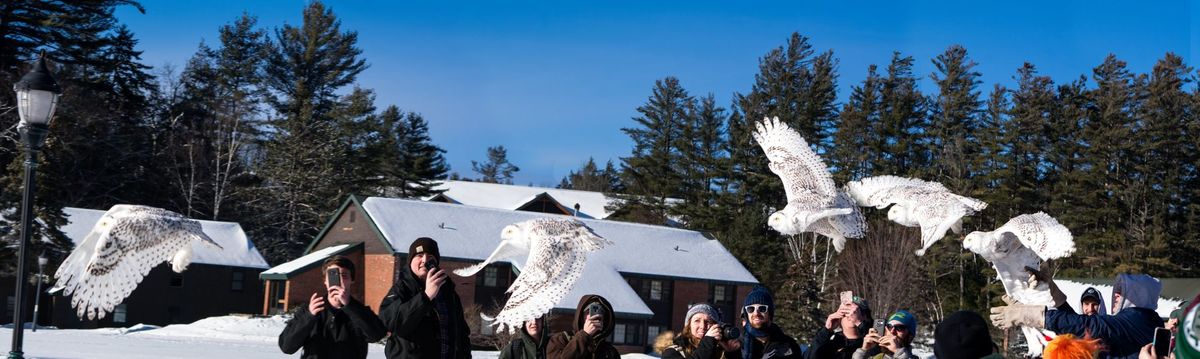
pixel 505 196
pixel 305 261
pixel 472 233
pixel 236 249
pixel 1074 290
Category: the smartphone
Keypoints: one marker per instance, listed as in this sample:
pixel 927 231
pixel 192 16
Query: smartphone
pixel 431 263
pixel 879 328
pixel 334 277
pixel 847 297
pixel 1162 342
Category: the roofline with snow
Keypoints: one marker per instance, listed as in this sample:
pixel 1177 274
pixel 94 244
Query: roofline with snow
pixel 337 215
pixel 292 273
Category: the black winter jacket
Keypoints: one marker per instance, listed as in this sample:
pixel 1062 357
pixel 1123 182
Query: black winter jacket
pixel 413 320
pixel 706 349
pixel 828 344
pixel 777 346
pixel 332 333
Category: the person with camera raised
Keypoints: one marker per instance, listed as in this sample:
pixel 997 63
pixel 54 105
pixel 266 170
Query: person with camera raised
pixel 705 336
pixel 761 337
pixel 892 341
pixel 422 310
pixel 844 329
pixel 336 325
pixel 593 323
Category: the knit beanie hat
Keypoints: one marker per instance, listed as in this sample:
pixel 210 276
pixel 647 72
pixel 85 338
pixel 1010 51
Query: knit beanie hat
pixel 701 308
pixel 1187 340
pixel 964 335
pixel 761 295
pixel 906 318
pixel 423 245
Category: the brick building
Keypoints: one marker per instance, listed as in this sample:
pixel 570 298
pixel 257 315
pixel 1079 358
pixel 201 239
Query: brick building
pixel 650 275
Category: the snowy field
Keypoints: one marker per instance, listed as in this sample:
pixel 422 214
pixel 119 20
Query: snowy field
pixel 218 337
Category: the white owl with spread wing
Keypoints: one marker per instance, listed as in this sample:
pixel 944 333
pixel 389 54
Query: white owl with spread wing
pixel 814 202
pixel 916 203
pixel 1025 241
pixel 122 247
pixel 557 250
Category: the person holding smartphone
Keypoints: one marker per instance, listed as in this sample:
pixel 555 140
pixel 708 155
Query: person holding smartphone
pixel 594 322
pixel 893 340
pixel 844 329
pixel 336 325
pixel 422 310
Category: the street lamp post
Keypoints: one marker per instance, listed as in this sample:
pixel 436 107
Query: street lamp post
pixel 37 96
pixel 37 296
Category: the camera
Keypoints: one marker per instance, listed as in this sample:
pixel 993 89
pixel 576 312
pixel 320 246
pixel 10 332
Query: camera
pixel 729 331
pixel 430 263
pixel 594 309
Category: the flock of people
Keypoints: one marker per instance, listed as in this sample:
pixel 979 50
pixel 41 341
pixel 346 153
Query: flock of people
pixel 422 317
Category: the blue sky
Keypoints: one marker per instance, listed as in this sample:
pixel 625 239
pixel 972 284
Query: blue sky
pixel 555 81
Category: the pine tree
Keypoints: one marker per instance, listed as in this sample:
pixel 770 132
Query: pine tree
pixel 703 160
pixel 953 120
pixel 651 172
pixel 590 177
pixel 850 154
pixel 420 164
pixel 497 168
pixel 303 165
pixel 1162 161
pixel 1110 140
pixel 901 118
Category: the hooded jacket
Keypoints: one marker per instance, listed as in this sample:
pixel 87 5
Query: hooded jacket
pixel 413 320
pixel 332 333
pixel 578 344
pixel 1124 333
pixel 525 346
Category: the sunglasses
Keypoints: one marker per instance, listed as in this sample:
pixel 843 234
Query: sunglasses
pixel 898 327
pixel 760 308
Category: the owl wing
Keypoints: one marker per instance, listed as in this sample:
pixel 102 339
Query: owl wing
pixel 793 161
pixel 883 191
pixel 852 225
pixel 506 250
pixel 556 260
pixel 119 251
pixel 1042 234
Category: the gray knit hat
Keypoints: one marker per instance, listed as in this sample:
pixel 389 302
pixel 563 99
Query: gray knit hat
pixel 701 308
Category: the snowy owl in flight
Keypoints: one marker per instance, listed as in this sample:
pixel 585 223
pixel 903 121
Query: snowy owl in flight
pixel 1025 241
pixel 557 250
pixel 814 202
pixel 123 246
pixel 916 203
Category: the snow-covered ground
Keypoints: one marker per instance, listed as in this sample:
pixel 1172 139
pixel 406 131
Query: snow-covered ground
pixel 217 337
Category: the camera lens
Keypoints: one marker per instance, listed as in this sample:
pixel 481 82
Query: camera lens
pixel 730 332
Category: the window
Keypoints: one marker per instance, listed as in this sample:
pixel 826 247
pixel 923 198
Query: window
pixel 722 294
pixel 489 276
pixel 119 314
pixel 237 283
pixel 352 215
pixel 176 280
pixel 656 290
pixel 277 290
pixel 619 334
